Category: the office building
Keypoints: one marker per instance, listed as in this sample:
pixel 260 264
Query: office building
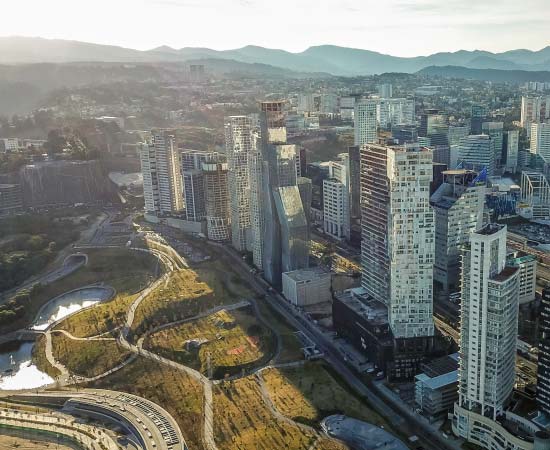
pixel 193 182
pixel 511 149
pixel 347 108
pixel 530 111
pixel 336 199
pixel 488 335
pixel 540 140
pixel 239 143
pixel 478 114
pixel 398 234
pixel 216 201
pixel 404 134
pixel 385 90
pixel 11 198
pixel 432 122
pixel 456 133
pixel 543 372
pixel 161 169
pixel 390 111
pixel 364 322
pixel 285 233
pixel 365 121
pixel 496 131
pixel 458 207
pixel 477 152
pixel 307 287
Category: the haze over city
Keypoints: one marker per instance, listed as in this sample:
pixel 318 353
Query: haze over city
pixel 396 27
pixel 268 225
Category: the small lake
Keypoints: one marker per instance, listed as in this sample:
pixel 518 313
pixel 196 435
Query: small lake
pixel 17 370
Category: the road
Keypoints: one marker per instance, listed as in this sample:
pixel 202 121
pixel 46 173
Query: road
pixel 412 425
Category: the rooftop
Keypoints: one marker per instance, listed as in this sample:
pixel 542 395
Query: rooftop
pixel 313 273
pixel 358 301
pixel 438 381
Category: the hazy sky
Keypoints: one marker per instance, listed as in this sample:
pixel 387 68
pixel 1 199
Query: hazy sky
pixel 398 27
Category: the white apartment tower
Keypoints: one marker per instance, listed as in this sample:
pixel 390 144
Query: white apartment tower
pixel 540 140
pixel 239 145
pixel 365 122
pixel 458 206
pixel 398 235
pixel 488 335
pixel 162 181
pixel 336 199
pixel 530 111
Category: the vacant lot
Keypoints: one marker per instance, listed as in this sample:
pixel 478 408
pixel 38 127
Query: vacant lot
pixel 242 420
pixel 179 394
pixel 310 392
pixel 233 340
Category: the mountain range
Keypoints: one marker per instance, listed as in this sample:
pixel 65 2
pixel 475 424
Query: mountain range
pixel 340 61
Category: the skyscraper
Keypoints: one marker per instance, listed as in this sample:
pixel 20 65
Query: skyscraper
pixel 496 131
pixel 477 152
pixel 193 182
pixel 488 335
pixel 511 148
pixel 540 140
pixel 530 111
pixel 543 372
pixel 397 249
pixel 285 234
pixel 458 207
pixel 479 112
pixel 270 130
pixel 161 169
pixel 365 122
pixel 239 146
pixel 216 201
pixel 336 199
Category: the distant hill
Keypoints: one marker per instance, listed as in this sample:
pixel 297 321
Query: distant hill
pixel 331 59
pixel 502 76
pixel 24 87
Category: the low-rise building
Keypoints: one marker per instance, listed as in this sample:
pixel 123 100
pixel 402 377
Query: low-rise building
pixel 436 388
pixel 306 287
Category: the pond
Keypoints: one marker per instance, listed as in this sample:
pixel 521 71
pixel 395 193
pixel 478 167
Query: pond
pixel 17 371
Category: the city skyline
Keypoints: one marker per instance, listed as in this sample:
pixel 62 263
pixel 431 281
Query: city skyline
pixel 430 26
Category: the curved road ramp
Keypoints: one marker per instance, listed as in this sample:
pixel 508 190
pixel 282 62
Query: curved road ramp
pixel 360 435
pixel 147 425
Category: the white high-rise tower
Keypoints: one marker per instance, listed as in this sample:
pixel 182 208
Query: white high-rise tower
pixel 488 335
pixel 239 145
pixel 398 235
pixel 162 181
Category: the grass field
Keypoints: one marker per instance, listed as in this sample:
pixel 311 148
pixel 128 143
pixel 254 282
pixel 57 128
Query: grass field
pixel 87 358
pixel 126 270
pixel 189 292
pixel 242 420
pixel 39 358
pixel 310 392
pixel 179 394
pixel 234 340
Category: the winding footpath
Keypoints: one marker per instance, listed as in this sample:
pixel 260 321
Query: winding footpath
pixel 124 338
